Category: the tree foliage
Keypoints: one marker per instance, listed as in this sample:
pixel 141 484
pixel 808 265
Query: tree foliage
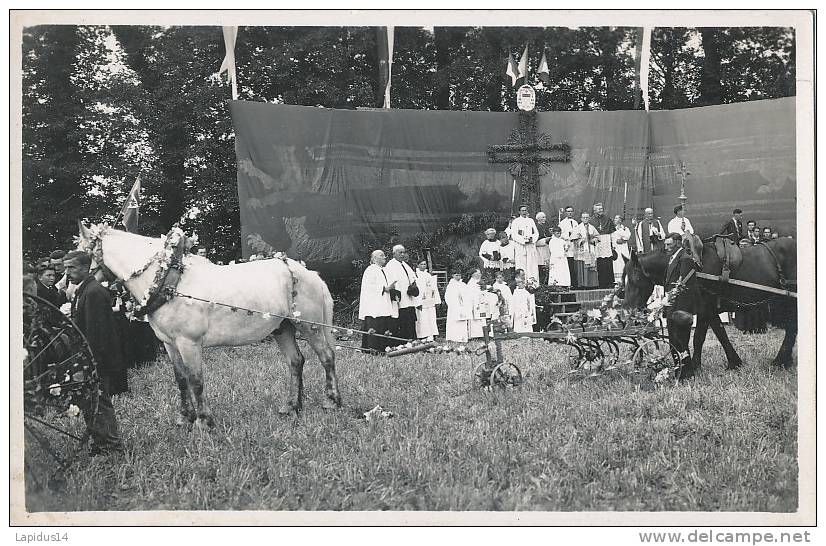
pixel 103 104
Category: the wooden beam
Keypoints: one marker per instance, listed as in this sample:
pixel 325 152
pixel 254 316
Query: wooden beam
pixel 746 284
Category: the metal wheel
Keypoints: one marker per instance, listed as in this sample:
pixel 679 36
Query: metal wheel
pixel 59 377
pixel 481 376
pixel 506 375
pixel 654 362
pixel 573 356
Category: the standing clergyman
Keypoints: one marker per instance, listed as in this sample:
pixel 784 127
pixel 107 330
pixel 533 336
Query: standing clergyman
pixel 376 308
pixel 648 231
pixel 568 228
pixel 525 235
pixel 605 262
pixel 403 275
pixel 426 327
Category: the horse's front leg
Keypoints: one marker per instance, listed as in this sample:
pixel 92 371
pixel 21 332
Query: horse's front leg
pixel 732 358
pixel 285 337
pixel 187 413
pixel 784 356
pixel 192 356
pixel 679 332
pixel 699 339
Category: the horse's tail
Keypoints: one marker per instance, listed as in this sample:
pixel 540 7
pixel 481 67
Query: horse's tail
pixel 327 313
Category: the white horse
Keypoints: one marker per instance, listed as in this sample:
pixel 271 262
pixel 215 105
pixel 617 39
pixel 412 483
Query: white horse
pixel 187 325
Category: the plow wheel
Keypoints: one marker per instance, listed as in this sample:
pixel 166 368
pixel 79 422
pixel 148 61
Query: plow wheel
pixel 501 375
pixel 506 375
pixel 59 377
pixel 574 356
pixel 653 363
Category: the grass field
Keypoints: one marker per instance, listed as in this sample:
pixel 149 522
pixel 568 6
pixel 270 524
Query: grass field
pixel 725 442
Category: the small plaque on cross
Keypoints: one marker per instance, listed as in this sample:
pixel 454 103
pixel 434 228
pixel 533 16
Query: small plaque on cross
pixel 526 98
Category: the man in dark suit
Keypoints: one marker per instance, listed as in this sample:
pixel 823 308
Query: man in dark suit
pixel 734 227
pixel 683 296
pixel 92 312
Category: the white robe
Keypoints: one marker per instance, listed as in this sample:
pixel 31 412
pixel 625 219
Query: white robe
pixel 675 225
pixel 558 271
pixel 655 227
pixel 458 311
pixel 479 309
pixel 404 276
pixel 504 308
pixel 525 234
pixel 620 238
pixel 374 300
pixel 430 298
pixel 568 227
pixel 508 253
pixel 523 310
pixel 489 247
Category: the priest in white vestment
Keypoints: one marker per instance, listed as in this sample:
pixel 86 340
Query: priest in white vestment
pixel 525 234
pixel 402 274
pixel 585 238
pixel 568 226
pixel 619 239
pixel 507 252
pixel 376 309
pixel 426 327
pixel 458 309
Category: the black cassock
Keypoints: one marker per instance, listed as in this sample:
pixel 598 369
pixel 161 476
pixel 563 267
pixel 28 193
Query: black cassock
pixel 605 266
pixel 92 312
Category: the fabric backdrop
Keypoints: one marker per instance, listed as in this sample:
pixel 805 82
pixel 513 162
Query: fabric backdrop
pixel 314 181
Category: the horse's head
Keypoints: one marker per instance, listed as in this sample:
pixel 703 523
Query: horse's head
pixel 116 253
pixel 638 282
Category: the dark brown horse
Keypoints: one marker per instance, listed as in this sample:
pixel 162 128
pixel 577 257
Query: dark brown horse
pixel 772 264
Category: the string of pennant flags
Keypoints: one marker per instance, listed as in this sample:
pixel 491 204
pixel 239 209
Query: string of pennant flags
pixel 517 72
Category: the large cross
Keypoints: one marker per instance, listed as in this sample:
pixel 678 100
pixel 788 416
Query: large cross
pixel 683 172
pixel 530 155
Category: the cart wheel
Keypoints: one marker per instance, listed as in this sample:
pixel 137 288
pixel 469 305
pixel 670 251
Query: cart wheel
pixel 506 375
pixel 610 352
pixel 58 371
pixel 593 357
pixel 652 357
pixel 573 356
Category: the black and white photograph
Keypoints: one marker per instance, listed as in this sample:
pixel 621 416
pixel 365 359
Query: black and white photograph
pixel 548 268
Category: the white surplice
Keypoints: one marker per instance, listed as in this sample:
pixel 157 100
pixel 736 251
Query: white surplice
pixel 525 234
pixel 429 296
pixel 458 311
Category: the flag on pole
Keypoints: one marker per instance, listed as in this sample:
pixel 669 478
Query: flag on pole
pixel 512 70
pixel 228 65
pixel 644 64
pixel 384 42
pixel 544 73
pixel 130 209
pixel 523 69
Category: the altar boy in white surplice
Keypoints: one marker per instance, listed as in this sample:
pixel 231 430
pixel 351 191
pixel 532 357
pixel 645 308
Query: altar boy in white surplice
pixel 426 327
pixel 558 273
pixel 458 309
pixel 523 308
pixel 524 234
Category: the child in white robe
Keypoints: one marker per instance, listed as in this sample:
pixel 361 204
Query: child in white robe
pixel 558 271
pixel 523 308
pixel 502 287
pixel 479 305
pixel 457 309
pixel 426 327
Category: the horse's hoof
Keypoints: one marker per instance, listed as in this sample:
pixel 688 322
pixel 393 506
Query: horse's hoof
pixel 331 404
pixel 783 363
pixel 734 365
pixel 184 419
pixel 205 421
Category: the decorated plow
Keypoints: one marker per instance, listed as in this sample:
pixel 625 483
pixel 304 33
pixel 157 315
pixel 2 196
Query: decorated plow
pixel 594 343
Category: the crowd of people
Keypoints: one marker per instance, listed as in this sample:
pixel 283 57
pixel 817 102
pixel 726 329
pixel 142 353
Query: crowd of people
pixel 590 252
